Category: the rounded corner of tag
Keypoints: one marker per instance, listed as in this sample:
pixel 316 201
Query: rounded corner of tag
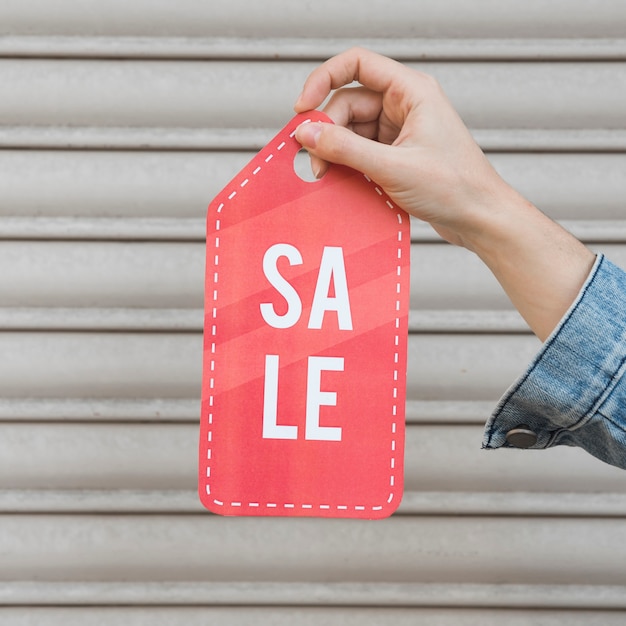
pixel 213 210
pixel 388 508
pixel 209 502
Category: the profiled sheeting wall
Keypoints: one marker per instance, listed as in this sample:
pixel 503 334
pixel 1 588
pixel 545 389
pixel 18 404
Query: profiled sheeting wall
pixel 118 123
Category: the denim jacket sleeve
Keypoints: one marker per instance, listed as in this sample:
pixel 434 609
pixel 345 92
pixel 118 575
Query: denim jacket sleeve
pixel 574 391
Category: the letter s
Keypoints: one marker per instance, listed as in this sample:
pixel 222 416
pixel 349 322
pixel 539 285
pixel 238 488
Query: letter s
pixel 270 269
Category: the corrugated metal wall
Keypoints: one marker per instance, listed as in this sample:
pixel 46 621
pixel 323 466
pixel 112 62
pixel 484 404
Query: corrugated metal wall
pixel 119 121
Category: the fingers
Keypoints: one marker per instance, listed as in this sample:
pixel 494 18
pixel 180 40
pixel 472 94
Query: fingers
pixel 357 109
pixel 368 130
pixel 368 68
pixel 353 106
pixel 336 144
pixel 308 135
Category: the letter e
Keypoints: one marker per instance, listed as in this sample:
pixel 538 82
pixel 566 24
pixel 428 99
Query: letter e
pixel 315 398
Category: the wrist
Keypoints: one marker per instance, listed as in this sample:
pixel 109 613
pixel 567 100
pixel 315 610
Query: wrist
pixel 539 264
pixel 491 216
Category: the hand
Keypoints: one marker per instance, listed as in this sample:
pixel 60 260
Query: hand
pixel 400 129
pixel 422 154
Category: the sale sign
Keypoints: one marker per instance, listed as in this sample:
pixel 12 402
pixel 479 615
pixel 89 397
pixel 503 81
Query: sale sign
pixel 305 342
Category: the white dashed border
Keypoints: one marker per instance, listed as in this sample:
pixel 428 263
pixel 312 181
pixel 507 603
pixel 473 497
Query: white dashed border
pixel 213 348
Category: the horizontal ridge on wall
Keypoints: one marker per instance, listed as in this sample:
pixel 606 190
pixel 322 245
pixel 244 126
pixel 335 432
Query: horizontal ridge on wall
pixel 299 593
pixel 311 48
pixel 191 320
pixel 175 229
pixel 180 502
pixel 195 615
pixel 180 410
pixel 51 137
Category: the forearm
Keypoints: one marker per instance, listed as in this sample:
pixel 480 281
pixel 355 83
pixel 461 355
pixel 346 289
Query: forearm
pixel 540 265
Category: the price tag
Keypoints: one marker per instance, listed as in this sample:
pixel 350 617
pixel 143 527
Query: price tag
pixel 305 342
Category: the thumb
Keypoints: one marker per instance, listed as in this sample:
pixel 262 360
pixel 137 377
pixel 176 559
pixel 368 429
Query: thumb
pixel 330 143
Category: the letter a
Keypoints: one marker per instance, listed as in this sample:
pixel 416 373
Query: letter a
pixel 331 268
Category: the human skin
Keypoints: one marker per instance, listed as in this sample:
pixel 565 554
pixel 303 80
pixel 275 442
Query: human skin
pixel 399 128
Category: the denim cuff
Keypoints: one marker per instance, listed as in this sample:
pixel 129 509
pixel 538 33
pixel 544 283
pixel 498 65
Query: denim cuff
pixel 574 391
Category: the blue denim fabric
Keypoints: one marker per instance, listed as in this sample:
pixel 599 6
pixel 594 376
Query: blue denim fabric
pixel 574 391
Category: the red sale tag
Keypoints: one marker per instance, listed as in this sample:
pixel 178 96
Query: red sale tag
pixel 305 341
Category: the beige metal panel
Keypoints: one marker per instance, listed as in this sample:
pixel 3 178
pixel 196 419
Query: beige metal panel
pixel 460 367
pixel 168 365
pixel 428 18
pixel 401 549
pixel 447 277
pixel 449 459
pixel 97 456
pixel 291 616
pixel 243 94
pixel 113 184
pixel 111 274
pixel 150 94
pixel 159 457
pixel 100 365
pixel 36 183
pixel 568 186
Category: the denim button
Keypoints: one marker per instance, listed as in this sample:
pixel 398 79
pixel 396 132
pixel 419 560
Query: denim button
pixel 522 437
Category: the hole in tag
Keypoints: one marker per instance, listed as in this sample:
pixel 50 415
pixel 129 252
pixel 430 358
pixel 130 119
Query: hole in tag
pixel 302 167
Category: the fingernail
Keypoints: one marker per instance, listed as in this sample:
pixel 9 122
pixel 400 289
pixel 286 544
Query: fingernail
pixel 308 134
